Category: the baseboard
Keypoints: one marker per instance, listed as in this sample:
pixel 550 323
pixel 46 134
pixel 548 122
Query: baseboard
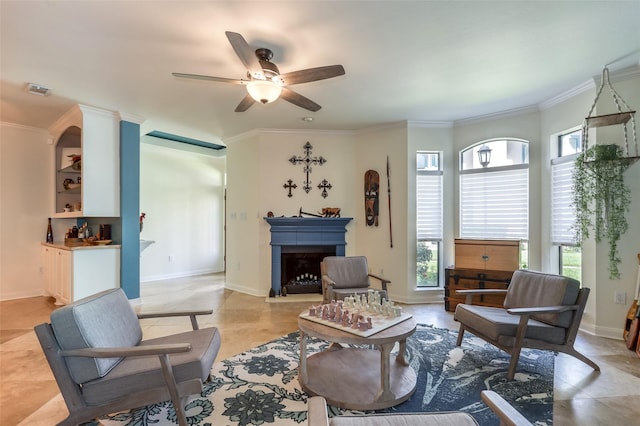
pixel 181 274
pixel 15 295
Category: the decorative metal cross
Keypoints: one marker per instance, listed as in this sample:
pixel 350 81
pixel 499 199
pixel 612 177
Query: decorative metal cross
pixel 289 185
pixel 307 161
pixel 324 185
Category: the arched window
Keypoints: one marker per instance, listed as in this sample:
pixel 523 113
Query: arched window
pixel 494 190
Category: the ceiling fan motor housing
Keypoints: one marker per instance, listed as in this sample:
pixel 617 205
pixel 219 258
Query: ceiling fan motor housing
pixel 270 69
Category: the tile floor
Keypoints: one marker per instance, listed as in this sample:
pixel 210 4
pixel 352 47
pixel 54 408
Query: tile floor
pixel 582 396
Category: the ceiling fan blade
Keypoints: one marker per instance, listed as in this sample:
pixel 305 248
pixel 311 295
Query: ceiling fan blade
pixel 245 103
pixel 312 74
pixel 245 53
pixel 299 100
pixel 209 78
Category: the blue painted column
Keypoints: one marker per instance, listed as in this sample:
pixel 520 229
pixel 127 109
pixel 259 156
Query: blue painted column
pixel 130 208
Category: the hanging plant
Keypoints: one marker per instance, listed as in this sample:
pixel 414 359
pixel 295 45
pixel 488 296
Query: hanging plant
pixel 601 198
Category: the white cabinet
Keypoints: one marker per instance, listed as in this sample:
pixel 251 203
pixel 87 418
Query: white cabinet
pixel 57 273
pixel 76 272
pixel 94 134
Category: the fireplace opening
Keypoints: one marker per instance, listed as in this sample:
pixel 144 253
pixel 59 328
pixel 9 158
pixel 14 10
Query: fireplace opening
pixel 301 268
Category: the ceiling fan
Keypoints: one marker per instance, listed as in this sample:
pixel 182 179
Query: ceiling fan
pixel 264 82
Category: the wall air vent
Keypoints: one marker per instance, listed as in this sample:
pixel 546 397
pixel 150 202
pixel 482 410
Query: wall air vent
pixel 37 89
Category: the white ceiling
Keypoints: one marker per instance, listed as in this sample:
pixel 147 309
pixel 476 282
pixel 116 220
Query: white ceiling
pixel 404 60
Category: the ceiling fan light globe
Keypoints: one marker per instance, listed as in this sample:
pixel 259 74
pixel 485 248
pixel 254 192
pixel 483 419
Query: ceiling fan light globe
pixel 264 91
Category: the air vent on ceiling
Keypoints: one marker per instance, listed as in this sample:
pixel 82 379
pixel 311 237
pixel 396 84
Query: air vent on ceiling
pixel 37 89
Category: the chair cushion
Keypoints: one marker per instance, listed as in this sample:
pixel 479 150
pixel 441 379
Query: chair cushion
pixel 410 419
pixel 494 322
pixel 145 372
pixel 347 272
pixel 533 289
pixel 102 320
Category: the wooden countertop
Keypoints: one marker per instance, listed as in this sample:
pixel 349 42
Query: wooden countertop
pixel 83 247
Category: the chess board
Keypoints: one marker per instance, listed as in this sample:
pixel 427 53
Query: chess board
pixel 379 322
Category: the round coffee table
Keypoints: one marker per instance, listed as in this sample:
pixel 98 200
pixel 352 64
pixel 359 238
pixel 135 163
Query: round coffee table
pixel 357 378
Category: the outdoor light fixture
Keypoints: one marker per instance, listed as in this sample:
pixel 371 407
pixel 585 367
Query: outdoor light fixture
pixel 264 91
pixel 484 156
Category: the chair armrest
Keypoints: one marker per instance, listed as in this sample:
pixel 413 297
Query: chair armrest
pixel 383 281
pixel 542 310
pixel 190 314
pixel 508 415
pixel 328 281
pixel 480 292
pixel 317 411
pixel 170 348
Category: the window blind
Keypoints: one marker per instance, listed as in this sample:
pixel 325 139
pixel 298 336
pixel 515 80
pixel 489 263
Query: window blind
pixel 429 205
pixel 563 216
pixel 494 204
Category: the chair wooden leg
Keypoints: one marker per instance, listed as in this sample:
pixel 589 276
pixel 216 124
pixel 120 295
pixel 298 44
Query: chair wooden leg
pixel 583 358
pixel 167 371
pixel 517 346
pixel 460 335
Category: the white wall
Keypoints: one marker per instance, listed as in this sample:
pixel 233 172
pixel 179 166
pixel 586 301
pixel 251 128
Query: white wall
pixel 609 317
pixel 602 316
pixel 524 125
pixel 431 137
pixel 181 192
pixel 26 167
pixel 258 167
pixel 373 147
pixel 243 216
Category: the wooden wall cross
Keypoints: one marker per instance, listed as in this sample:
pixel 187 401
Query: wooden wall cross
pixel 307 161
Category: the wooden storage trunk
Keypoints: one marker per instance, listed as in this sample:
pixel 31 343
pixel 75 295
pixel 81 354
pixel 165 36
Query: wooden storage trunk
pixel 467 279
pixel 490 255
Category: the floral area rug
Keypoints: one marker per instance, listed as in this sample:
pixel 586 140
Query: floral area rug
pixel 261 386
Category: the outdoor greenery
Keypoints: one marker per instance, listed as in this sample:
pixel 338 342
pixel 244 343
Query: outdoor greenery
pixel 572 262
pixel 427 264
pixel 601 198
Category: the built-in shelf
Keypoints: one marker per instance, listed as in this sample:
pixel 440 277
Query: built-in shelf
pixel 70 169
pixel 71 191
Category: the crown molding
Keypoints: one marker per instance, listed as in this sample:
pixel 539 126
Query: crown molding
pixel 564 96
pixel 131 118
pixel 430 124
pixel 497 115
pixel 624 74
pixel 23 127
pixel 265 131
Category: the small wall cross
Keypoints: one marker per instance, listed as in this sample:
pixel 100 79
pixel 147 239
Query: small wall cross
pixel 307 161
pixel 289 185
pixel 324 185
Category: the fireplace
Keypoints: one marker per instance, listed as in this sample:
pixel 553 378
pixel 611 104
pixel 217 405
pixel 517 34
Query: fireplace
pixel 300 270
pixel 298 244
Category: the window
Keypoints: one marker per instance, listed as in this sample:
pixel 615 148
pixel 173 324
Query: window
pixel 428 218
pixel 494 192
pixel 563 215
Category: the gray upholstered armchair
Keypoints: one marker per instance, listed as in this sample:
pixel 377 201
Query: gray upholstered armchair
pixel 509 416
pixel 347 275
pixel 541 311
pixel 101 364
